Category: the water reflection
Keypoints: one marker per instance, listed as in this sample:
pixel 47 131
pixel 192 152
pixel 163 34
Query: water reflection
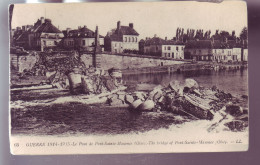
pixel 232 81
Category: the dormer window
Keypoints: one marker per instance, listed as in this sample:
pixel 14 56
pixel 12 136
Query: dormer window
pixel 125 39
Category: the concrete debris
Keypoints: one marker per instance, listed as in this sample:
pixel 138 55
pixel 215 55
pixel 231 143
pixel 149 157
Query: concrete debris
pixel 192 101
pixel 129 99
pixel 191 83
pixel 234 110
pixel 148 105
pixel 136 104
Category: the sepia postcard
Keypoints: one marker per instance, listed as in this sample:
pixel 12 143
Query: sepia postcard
pixel 128 77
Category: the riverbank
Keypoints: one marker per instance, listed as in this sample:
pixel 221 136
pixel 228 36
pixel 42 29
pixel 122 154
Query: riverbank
pixel 178 68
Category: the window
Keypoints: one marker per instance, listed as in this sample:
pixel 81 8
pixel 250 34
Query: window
pixel 172 55
pixel 164 47
pixel 169 54
pixel 182 48
pixel 169 48
pixel 177 48
pixel 125 39
pixel 133 39
pixel 165 54
pixel 115 44
pixel 83 42
pixel 215 51
pixel 199 51
pixel 129 39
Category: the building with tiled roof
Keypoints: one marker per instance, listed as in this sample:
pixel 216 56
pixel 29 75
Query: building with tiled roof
pixel 42 35
pixel 81 38
pixel 213 50
pixel 165 48
pixel 122 38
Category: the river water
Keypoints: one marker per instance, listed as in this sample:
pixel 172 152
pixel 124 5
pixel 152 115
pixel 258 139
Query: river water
pixel 81 119
pixel 231 81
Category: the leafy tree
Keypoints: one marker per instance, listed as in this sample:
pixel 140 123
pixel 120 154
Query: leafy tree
pixel 244 34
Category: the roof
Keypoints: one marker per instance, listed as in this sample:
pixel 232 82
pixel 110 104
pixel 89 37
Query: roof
pixel 81 33
pixel 22 37
pixel 154 41
pixel 159 41
pixel 172 42
pixel 115 37
pixel 201 44
pixel 126 30
pixel 46 27
pixel 117 34
pixel 209 44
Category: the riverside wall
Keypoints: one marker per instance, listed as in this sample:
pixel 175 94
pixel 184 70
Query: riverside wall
pixel 123 62
pixel 129 64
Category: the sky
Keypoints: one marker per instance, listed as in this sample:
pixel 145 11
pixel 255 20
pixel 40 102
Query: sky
pixel 149 18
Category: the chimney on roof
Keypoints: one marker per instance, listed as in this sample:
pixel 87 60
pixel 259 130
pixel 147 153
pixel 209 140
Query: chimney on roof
pixel 225 39
pixel 47 20
pixel 23 28
pixel 118 25
pixel 42 20
pixel 85 26
pixel 79 27
pixel 213 40
pixel 131 25
pixel 146 38
pixel 165 38
pixel 155 35
pixel 68 30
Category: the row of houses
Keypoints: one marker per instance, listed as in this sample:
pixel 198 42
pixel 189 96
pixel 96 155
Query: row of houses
pixel 211 50
pixel 125 39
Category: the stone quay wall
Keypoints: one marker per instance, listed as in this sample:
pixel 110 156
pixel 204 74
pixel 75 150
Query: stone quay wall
pixel 122 61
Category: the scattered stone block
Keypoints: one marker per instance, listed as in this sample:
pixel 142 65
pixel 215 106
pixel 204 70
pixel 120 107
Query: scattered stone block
pixel 136 103
pixel 129 99
pixel 148 105
pixel 234 110
pixel 191 83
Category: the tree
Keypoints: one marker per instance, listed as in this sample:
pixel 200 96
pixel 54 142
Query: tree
pixel 244 34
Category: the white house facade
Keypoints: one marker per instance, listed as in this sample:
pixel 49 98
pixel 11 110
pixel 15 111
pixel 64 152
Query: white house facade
pixel 173 51
pixel 124 38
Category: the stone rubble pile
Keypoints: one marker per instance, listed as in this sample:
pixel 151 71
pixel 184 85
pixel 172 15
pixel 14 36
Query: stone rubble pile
pixel 94 81
pixel 187 99
pixel 181 98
